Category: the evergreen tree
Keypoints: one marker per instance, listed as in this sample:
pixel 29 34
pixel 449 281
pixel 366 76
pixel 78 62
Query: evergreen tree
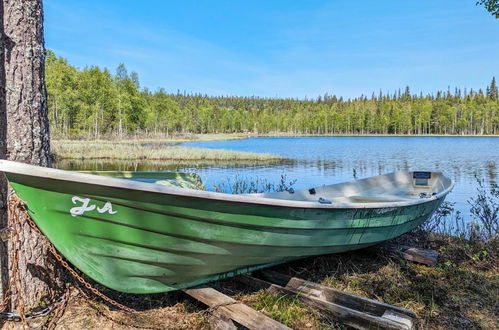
pixel 492 90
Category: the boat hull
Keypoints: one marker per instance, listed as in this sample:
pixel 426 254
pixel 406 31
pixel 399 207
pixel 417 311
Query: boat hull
pixel 147 242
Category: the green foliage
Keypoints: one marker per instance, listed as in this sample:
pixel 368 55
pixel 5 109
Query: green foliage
pixel 492 6
pixel 93 102
pixel 288 310
pixel 485 212
pixel 241 185
pixel 484 222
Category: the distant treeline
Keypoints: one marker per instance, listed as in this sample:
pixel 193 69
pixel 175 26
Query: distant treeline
pixel 93 101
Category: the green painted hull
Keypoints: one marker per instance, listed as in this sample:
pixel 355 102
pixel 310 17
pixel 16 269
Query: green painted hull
pixel 151 242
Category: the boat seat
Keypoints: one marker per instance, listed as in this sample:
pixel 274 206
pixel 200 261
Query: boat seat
pixel 369 199
pixel 378 198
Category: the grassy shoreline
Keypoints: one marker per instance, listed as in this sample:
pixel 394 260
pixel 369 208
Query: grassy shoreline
pixel 240 136
pixel 147 150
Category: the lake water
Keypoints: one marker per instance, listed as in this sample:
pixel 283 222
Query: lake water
pixel 315 161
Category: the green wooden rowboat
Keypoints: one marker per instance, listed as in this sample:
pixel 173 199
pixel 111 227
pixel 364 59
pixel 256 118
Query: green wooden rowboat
pixel 133 235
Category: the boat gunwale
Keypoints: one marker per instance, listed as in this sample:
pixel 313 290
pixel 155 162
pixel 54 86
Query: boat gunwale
pixel 104 181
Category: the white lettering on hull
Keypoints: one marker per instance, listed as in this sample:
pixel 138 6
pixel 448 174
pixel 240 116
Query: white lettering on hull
pixel 87 207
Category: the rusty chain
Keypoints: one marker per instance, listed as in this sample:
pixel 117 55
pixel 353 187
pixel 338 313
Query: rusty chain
pixel 91 303
pixel 59 310
pixel 15 246
pixel 45 311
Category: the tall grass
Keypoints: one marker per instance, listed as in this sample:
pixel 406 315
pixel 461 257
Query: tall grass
pixel 484 222
pixel 244 185
pixel 485 212
pixel 129 150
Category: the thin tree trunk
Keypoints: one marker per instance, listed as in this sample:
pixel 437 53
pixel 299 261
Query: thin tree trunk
pixel 28 138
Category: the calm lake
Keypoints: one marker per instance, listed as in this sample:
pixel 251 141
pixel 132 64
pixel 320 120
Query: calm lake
pixel 325 160
pixel 315 161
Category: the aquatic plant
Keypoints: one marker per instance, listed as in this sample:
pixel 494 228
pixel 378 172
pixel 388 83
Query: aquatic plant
pixel 244 185
pixel 132 150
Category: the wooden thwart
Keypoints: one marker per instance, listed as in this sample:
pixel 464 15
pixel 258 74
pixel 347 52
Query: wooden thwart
pixel 233 309
pixel 352 310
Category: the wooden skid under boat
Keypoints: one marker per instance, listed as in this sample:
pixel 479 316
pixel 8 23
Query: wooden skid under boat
pixel 142 237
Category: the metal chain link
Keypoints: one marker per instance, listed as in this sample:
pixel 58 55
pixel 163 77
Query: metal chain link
pixel 59 310
pixel 91 302
pixel 17 317
pixel 13 222
pixel 215 307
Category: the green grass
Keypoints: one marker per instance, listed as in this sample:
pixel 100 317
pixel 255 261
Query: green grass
pixel 288 310
pixel 131 150
pixel 460 291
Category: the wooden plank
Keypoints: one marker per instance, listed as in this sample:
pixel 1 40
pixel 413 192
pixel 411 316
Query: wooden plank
pixel 401 318
pixel 252 282
pixel 422 256
pixel 349 300
pixel 229 307
pixel 348 316
pixel 218 321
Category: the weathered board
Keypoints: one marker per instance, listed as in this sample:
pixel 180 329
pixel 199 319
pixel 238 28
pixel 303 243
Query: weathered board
pixel 352 310
pixel 422 256
pixel 332 295
pixel 221 322
pixel 233 309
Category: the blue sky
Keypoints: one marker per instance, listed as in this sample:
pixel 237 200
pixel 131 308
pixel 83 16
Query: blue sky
pixel 281 48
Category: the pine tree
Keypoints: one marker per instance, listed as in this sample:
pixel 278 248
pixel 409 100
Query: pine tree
pixel 4 271
pixel 492 91
pixel 407 94
pixel 28 140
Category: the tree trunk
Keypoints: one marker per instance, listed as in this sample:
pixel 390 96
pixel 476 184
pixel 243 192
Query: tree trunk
pixel 4 270
pixel 28 138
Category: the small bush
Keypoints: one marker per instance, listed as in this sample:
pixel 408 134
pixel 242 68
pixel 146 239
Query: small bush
pixel 242 185
pixel 485 212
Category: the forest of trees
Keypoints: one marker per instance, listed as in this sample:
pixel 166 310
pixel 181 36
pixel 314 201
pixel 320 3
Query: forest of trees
pixel 95 102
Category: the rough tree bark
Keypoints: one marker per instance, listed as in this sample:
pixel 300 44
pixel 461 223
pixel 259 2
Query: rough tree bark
pixel 4 271
pixel 28 138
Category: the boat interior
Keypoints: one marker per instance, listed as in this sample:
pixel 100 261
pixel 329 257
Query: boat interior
pixel 392 187
pixel 173 179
